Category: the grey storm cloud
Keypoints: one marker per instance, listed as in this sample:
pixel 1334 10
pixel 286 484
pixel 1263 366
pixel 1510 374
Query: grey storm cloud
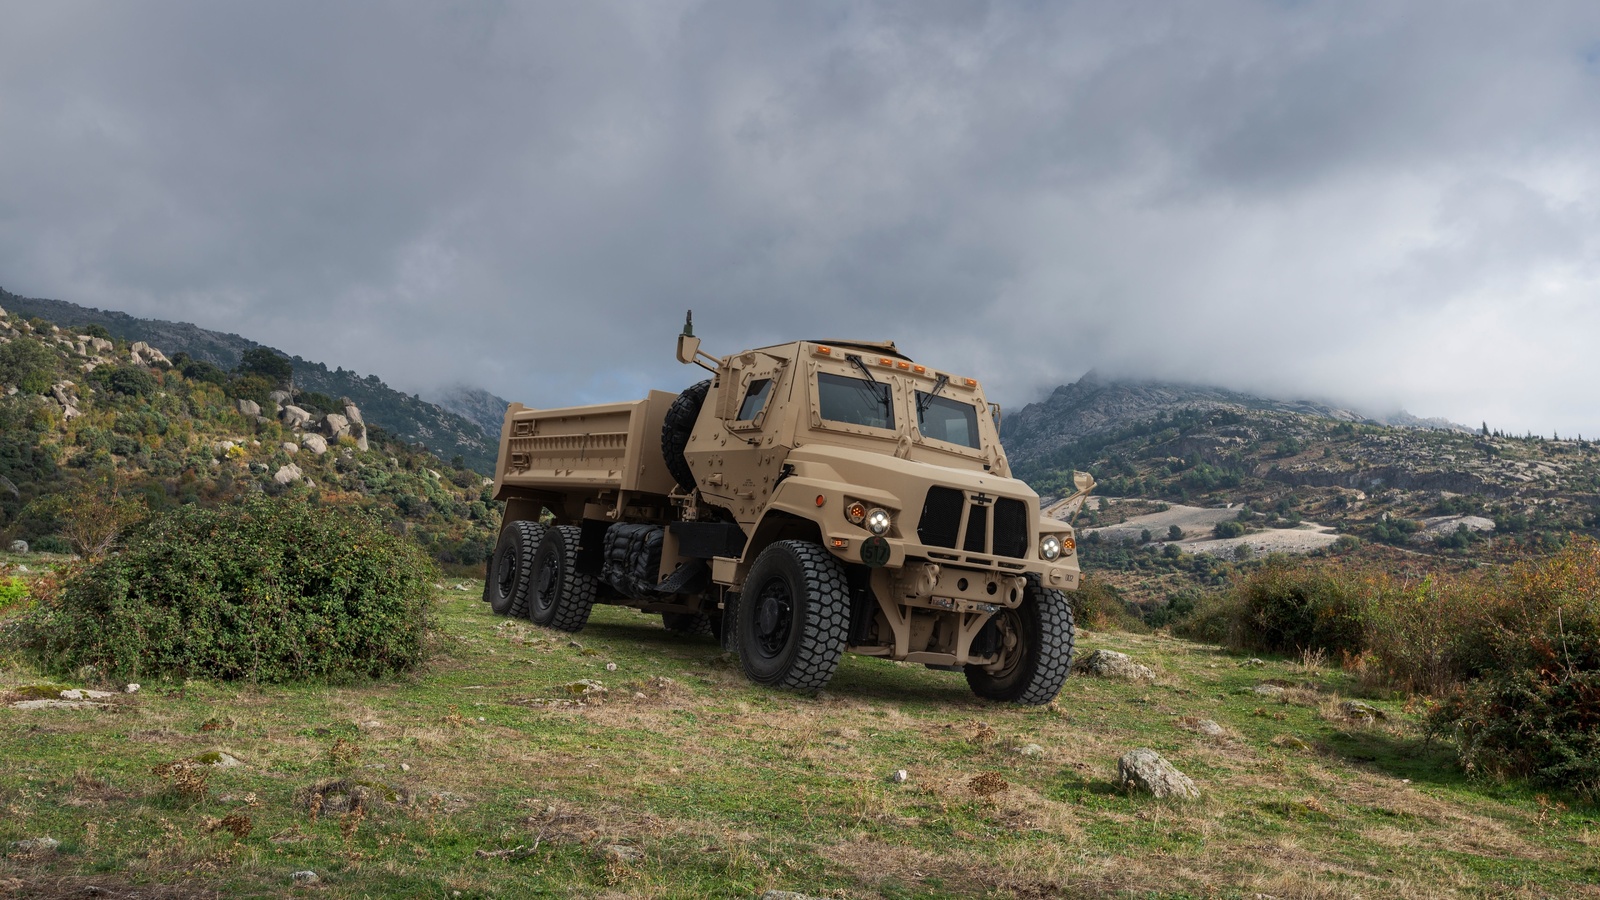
pixel 1375 203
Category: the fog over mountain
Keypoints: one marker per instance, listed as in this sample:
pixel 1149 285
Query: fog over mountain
pixel 1373 204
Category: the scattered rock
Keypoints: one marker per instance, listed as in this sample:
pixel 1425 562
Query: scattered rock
pixel 85 694
pixel 279 397
pixel 899 776
pixel 19 546
pixel 146 355
pixel 787 895
pixel 250 408
pixel 1114 665
pixel 1363 712
pixel 1145 770
pixel 216 759
pixel 611 667
pixel 1202 726
pixel 620 853
pixel 1268 690
pixel 1252 663
pixel 1030 750
pixel 36 845
pixel 304 877
pixel 1290 742
pixel 288 474
pixel 314 443
pixel 584 687
pixel 54 704
pixel 289 447
pixel 130 689
pixel 295 417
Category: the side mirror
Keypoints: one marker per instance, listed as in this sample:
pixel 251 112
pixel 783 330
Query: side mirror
pixel 994 410
pixel 688 348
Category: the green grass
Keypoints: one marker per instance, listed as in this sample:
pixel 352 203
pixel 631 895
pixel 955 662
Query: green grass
pixel 726 790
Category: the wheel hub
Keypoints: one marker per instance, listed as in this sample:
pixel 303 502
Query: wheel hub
pixel 544 586
pixel 774 614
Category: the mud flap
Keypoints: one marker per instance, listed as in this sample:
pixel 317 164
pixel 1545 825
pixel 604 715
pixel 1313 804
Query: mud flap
pixel 730 624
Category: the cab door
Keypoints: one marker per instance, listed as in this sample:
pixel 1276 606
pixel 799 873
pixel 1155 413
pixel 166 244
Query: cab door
pixel 741 455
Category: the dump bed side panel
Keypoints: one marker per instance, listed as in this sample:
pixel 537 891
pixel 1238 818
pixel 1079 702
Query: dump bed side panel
pixel 590 448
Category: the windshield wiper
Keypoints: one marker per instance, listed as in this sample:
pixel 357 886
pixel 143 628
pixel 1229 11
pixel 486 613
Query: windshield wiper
pixel 926 398
pixel 882 394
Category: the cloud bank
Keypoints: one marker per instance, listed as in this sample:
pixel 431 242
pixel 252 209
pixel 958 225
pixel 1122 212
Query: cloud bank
pixel 1379 204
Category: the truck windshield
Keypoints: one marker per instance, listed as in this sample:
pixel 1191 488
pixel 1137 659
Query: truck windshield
pixel 947 419
pixel 854 401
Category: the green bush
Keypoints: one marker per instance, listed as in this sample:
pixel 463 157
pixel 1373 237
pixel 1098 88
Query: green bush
pixel 1229 529
pixel 1288 608
pixel 260 590
pixel 13 591
pixel 1531 647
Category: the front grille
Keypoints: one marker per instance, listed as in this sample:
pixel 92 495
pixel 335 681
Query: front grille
pixel 1010 528
pixel 941 517
pixel 977 530
pixel 940 525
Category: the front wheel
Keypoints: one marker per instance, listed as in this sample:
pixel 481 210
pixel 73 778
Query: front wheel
pixel 562 597
pixel 794 616
pixel 1035 650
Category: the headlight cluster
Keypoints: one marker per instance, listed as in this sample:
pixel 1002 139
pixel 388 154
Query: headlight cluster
pixel 876 520
pixel 1050 547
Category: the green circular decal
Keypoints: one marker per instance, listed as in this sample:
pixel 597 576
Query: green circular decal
pixel 875 552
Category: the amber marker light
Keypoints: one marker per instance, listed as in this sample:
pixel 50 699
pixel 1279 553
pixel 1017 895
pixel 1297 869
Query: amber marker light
pixel 840 543
pixel 885 361
pixel 920 370
pixel 856 512
pixel 972 382
pixel 821 500
pixel 824 351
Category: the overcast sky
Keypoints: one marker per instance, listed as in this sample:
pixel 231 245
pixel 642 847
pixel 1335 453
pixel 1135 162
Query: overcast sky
pixel 1381 203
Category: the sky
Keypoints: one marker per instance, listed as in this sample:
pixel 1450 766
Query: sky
pixel 1380 204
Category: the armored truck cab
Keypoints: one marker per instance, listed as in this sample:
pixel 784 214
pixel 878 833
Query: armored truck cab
pixel 808 499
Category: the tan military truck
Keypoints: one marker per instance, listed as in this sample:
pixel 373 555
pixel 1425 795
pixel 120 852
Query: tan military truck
pixel 808 499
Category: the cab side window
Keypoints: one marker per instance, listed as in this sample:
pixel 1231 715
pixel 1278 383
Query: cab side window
pixel 755 399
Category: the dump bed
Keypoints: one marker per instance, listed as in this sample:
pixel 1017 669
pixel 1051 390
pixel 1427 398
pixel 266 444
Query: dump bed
pixel 605 446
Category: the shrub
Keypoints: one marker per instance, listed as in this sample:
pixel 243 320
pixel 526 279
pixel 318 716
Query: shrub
pixel 125 380
pixel 260 590
pixel 1533 647
pixel 1228 529
pixel 1289 608
pixel 13 591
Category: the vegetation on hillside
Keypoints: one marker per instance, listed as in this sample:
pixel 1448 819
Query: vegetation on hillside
pixel 86 423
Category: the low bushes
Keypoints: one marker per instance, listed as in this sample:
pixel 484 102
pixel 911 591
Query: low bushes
pixel 1512 656
pixel 261 590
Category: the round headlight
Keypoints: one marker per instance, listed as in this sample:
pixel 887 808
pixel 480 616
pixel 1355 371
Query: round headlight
pixel 878 521
pixel 1050 547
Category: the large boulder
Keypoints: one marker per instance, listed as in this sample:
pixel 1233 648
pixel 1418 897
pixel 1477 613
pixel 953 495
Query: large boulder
pixel 19 546
pixel 289 474
pixel 351 412
pixel 335 425
pixel 1145 770
pixel 145 355
pixel 1114 665
pixel 359 432
pixel 314 443
pixel 250 408
pixel 295 417
pixel 279 397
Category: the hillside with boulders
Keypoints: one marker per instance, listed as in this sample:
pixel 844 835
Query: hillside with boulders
pixel 89 422
pixel 408 417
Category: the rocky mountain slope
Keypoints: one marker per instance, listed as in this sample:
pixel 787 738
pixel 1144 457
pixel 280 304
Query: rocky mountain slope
pixel 406 416
pixel 1094 405
pixel 91 427
pixel 477 405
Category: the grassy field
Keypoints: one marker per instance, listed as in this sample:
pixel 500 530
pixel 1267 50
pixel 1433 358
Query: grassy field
pixel 488 775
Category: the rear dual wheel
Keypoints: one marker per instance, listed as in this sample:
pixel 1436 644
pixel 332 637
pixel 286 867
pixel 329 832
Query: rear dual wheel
pixel 561 596
pixel 510 574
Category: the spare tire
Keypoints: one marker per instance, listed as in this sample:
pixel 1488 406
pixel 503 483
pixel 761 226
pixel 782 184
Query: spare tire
pixel 675 431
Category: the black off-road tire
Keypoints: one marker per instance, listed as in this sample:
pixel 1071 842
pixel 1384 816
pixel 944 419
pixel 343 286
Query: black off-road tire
pixel 675 431
pixel 688 624
pixel 510 575
pixel 794 617
pixel 560 596
pixel 1042 659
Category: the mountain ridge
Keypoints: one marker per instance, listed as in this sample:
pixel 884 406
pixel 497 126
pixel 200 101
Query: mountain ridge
pixel 408 417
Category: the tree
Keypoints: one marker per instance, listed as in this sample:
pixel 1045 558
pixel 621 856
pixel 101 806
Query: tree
pixel 1174 533
pixel 267 363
